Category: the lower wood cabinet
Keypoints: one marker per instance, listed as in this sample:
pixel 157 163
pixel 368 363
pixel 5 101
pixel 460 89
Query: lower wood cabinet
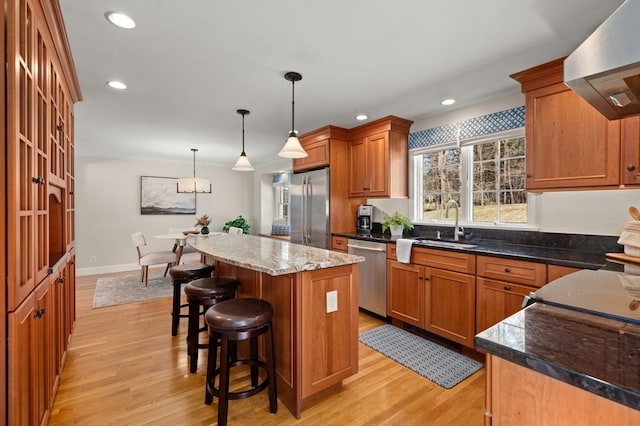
pixel 498 300
pixel 438 300
pixel 450 305
pixel 519 396
pixel 405 292
pixel 38 334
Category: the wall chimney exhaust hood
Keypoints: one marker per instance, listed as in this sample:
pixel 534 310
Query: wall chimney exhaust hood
pixel 605 68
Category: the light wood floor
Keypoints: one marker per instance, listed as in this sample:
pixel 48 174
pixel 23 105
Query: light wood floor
pixel 124 368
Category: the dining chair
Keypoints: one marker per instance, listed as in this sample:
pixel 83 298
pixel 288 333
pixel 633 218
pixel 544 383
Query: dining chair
pixel 234 231
pixel 151 258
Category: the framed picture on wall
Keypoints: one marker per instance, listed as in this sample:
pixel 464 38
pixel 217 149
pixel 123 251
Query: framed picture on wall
pixel 159 195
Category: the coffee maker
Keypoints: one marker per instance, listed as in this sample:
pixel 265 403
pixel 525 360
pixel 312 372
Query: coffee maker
pixel 363 222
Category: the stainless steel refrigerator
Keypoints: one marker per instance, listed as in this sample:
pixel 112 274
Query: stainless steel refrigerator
pixel 310 208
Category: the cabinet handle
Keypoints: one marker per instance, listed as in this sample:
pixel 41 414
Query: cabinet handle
pixel 426 278
pixel 631 167
pixel 59 127
pixel 37 179
pixel 61 280
pixel 507 287
pixel 39 313
pixel 507 270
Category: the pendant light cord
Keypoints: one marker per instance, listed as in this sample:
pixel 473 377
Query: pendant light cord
pixel 243 136
pixel 293 105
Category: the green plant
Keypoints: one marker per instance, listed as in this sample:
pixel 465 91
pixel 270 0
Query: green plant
pixel 239 222
pixel 396 220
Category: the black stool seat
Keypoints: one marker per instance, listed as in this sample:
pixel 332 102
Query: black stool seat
pixel 182 274
pixel 229 322
pixel 241 314
pixel 204 292
pixel 210 287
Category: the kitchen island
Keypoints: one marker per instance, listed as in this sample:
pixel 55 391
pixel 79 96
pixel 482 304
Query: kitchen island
pixel 314 293
pixel 551 365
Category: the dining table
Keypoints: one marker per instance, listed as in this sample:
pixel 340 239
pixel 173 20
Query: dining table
pixel 180 240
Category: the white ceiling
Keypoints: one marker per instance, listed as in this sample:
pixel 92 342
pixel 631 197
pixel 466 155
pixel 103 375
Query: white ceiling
pixel 190 64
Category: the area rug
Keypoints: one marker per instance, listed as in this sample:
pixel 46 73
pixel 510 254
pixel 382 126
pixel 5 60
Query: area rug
pixel 129 289
pixel 438 364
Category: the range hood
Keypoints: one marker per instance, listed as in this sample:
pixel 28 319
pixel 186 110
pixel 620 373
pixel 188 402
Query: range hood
pixel 605 68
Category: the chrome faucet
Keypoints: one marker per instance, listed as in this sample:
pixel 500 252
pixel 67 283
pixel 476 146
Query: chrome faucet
pixel 458 231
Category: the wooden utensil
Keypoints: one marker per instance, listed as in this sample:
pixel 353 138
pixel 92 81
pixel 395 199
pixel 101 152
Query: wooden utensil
pixel 634 212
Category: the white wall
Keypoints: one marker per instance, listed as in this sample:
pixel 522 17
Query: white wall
pixel 108 208
pixel 602 212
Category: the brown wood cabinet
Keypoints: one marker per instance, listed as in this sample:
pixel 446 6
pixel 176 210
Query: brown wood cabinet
pixel 502 285
pixel 378 159
pixel 569 143
pixel 339 243
pixel 518 395
pixel 436 292
pixel 405 292
pixel 39 90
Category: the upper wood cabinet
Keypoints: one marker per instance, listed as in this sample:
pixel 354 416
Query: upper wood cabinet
pixel 569 143
pixel 379 158
pixel 630 163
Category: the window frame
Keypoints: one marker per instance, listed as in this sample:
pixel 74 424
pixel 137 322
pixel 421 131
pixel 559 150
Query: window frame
pixel 466 191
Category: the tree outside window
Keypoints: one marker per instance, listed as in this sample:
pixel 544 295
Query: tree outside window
pixel 486 179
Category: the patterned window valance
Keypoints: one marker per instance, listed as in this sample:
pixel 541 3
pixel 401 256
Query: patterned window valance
pixel 484 125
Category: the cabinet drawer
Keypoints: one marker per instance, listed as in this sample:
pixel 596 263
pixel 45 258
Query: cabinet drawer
pixel 514 271
pixel 339 243
pixel 444 259
pixel 555 271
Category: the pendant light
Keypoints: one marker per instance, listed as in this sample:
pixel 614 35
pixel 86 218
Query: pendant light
pixel 194 184
pixel 243 163
pixel 292 147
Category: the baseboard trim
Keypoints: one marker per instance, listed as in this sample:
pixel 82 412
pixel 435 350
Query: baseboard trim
pixel 107 269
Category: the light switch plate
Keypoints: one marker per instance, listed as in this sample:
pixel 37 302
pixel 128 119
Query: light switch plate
pixel 332 301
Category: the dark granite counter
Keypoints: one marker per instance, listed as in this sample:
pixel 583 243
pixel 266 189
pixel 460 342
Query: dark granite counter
pixel 596 354
pixel 552 254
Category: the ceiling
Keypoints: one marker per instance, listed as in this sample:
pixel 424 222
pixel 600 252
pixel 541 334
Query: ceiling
pixel 190 64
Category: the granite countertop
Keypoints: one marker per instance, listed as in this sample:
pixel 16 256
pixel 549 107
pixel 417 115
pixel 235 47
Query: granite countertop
pixel 548 255
pixel 273 256
pixel 604 360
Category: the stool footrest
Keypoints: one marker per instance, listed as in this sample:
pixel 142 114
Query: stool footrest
pixel 240 394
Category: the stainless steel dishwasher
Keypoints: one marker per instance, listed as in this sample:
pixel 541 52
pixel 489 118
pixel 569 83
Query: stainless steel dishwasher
pixel 372 275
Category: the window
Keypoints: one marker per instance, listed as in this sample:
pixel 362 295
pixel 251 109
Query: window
pixel 485 177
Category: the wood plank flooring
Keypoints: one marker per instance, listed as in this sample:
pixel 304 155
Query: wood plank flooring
pixel 124 368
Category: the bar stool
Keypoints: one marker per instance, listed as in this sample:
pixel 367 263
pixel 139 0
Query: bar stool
pixel 204 292
pixel 231 321
pixel 182 274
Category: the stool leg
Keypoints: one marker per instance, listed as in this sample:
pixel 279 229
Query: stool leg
pixel 223 386
pixel 253 355
pixel 271 371
pixel 210 380
pixel 192 335
pixel 175 311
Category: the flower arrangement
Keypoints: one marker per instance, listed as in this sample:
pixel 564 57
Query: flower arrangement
pixel 396 220
pixel 203 220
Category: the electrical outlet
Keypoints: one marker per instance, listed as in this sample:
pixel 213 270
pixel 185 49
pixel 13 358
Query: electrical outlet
pixel 332 301
pixel 92 260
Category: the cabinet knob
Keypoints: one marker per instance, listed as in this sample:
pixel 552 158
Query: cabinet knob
pixel 61 280
pixel 59 127
pixel 507 287
pixel 37 179
pixel 631 167
pixel 507 270
pixel 529 175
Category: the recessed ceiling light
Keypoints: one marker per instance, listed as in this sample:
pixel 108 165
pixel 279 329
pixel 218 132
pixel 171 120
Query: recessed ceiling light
pixel 361 117
pixel 448 102
pixel 120 20
pixel 117 85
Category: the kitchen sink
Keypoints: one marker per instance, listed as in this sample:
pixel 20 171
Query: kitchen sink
pixel 446 244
